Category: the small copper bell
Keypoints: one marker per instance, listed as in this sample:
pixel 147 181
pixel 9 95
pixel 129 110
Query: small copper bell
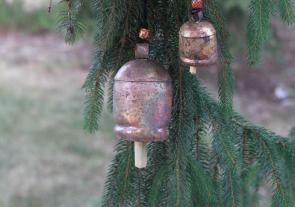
pixel 142 100
pixel 197 39
pixel 198 43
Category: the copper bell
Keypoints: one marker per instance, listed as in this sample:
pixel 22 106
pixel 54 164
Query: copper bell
pixel 142 99
pixel 198 43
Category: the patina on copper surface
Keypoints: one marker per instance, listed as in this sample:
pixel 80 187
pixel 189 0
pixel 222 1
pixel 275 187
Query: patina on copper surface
pixel 142 100
pixel 198 43
pixel 141 50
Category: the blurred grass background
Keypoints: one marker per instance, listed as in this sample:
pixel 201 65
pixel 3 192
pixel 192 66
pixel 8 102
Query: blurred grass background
pixel 15 15
pixel 46 159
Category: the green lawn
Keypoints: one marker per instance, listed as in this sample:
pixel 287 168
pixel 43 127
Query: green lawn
pixel 46 159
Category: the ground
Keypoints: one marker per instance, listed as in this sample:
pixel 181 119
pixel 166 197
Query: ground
pixel 48 160
pixel 46 157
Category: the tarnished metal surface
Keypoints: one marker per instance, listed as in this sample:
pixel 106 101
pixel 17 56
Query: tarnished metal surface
pixel 142 101
pixel 198 43
pixel 141 50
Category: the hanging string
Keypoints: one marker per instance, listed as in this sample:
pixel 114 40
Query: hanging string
pixel 144 32
pixel 145 14
pixel 197 10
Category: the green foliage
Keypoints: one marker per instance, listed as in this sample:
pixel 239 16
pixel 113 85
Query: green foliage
pixel 112 52
pixel 292 132
pixel 258 25
pixel 213 157
pixel 15 16
pixel 234 4
pixel 69 20
pixel 94 89
pixel 286 10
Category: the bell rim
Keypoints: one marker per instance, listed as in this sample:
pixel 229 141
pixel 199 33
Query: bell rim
pixel 206 62
pixel 159 135
pixel 130 81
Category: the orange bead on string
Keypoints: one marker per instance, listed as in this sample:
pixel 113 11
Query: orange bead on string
pixel 144 33
pixel 197 4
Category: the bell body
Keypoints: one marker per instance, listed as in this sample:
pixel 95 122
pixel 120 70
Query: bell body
pixel 198 43
pixel 142 101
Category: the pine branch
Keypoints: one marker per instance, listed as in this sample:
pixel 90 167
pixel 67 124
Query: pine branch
pixel 251 178
pixel 141 188
pixel 258 27
pixel 159 183
pixel 202 186
pixel 231 183
pixel 110 91
pixel 214 157
pixel 214 13
pixel 94 101
pixel 113 24
pixel 225 78
pixel 69 21
pixel 270 165
pixel 292 132
pixel 117 188
pixel 204 149
pixel 287 11
pixel 225 149
pixel 223 142
pixel 289 167
pixel 226 88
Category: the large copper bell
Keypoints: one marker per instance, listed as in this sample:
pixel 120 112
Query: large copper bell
pixel 142 99
pixel 198 43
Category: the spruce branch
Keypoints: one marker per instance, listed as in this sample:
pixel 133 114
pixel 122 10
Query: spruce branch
pixel 204 149
pixel 120 174
pixel 214 157
pixel 270 165
pixel 226 88
pixel 94 101
pixel 203 190
pixel 287 11
pixel 111 54
pixel 159 183
pixel 258 26
pixel 217 17
pixel 69 21
pixel 231 183
pixel 292 132
pixel 252 178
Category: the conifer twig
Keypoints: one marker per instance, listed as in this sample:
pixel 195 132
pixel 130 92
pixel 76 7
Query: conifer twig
pixel 49 6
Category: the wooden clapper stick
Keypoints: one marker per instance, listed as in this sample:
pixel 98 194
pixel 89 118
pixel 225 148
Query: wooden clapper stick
pixel 140 154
